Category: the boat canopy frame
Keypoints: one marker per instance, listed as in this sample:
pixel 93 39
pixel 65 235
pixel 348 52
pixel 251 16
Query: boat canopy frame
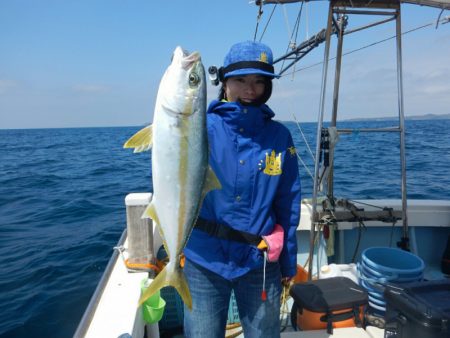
pixel 341 9
pixel 338 13
pixel 442 4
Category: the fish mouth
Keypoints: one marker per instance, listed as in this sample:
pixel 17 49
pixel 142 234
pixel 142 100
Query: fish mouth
pixel 190 59
pixel 186 59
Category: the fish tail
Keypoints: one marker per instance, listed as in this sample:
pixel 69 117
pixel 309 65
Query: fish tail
pixel 174 278
pixel 180 283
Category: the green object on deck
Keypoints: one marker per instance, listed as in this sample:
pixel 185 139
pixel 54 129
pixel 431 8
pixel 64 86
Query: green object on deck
pixel 153 307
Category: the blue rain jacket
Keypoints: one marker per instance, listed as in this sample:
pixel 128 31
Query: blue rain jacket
pixel 255 161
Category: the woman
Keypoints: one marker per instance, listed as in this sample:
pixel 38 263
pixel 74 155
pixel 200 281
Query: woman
pixel 245 237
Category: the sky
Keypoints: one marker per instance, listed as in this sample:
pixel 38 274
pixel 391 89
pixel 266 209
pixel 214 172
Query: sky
pixel 98 63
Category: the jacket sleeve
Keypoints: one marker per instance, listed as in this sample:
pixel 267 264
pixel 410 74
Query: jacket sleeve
pixel 287 209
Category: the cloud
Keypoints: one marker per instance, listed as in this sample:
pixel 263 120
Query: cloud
pixel 91 88
pixel 285 93
pixel 428 81
pixel 6 85
pixel 437 89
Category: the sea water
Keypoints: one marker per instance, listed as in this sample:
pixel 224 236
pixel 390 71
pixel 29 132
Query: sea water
pixel 62 206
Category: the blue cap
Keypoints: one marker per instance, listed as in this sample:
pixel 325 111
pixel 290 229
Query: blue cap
pixel 248 57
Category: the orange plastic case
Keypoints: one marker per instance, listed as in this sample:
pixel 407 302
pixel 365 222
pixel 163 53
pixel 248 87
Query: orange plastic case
pixel 309 320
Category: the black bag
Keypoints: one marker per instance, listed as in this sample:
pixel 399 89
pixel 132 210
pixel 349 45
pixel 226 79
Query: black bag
pixel 327 303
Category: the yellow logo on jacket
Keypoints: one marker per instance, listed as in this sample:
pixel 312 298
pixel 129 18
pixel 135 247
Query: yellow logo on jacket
pixel 273 164
pixel 292 151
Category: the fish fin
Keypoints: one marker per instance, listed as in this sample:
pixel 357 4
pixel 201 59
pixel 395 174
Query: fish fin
pixel 141 141
pixel 180 283
pixel 211 181
pixel 150 212
pixel 158 283
pixel 175 279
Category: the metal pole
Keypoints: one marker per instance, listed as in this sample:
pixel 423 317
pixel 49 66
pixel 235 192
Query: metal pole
pixel 404 242
pixel 363 12
pixel 319 128
pixel 337 80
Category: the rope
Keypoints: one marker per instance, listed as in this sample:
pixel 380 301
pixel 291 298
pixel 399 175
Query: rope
pixel 361 226
pixel 304 165
pixel 304 138
pixel 307 21
pixel 297 23
pixel 258 19
pixel 315 242
pixel 368 204
pixel 284 309
pixel 263 294
pixel 293 41
pixel 439 18
pixel 286 21
pixel 141 266
pixel 135 267
pixel 267 24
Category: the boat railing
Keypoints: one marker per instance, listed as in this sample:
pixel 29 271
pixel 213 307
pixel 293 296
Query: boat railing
pixel 88 315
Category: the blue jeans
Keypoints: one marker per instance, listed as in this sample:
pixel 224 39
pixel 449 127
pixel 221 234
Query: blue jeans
pixel 211 297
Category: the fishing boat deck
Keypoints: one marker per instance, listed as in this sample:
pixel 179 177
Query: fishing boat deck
pixel 345 332
pixel 117 314
pixel 113 311
pixel 116 311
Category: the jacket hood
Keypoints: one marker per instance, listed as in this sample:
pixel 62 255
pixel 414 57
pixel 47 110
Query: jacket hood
pixel 225 107
pixel 242 119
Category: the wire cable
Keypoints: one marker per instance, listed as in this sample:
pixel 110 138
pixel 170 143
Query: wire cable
pixel 293 41
pixel 444 20
pixel 267 23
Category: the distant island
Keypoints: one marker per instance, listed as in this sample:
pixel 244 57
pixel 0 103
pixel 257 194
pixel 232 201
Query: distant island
pixel 414 117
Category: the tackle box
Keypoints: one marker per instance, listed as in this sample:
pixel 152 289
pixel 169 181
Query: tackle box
pixel 419 309
pixel 328 303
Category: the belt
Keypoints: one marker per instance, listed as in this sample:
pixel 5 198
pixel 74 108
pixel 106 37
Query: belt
pixel 224 231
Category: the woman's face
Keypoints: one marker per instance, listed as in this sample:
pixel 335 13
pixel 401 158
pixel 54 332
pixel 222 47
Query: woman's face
pixel 246 88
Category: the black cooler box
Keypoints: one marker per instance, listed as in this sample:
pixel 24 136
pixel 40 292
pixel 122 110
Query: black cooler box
pixel 418 310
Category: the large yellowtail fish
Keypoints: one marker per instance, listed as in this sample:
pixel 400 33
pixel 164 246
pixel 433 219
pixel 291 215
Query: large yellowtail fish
pixel 180 170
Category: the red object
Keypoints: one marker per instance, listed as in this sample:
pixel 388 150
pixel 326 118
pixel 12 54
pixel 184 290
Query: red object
pixel 326 232
pixel 264 295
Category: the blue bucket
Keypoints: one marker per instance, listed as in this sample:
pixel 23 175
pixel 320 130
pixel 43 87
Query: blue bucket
pixel 380 266
pixel 374 292
pixel 376 309
pixel 387 276
pixel 377 302
pixel 393 261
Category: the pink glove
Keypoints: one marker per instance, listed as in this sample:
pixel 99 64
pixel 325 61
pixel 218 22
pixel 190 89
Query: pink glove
pixel 273 243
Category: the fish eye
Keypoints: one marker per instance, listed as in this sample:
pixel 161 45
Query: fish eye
pixel 194 79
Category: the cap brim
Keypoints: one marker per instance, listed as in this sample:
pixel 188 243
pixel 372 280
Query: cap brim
pixel 248 71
